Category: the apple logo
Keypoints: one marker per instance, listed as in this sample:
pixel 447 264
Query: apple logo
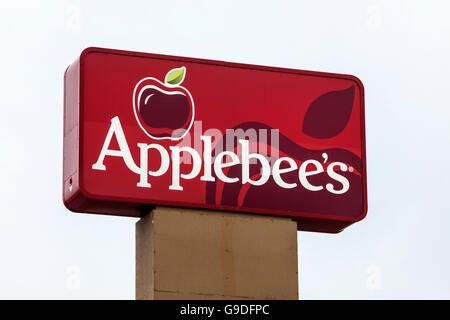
pixel 164 110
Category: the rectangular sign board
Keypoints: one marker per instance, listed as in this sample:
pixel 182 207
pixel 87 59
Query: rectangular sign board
pixel 143 129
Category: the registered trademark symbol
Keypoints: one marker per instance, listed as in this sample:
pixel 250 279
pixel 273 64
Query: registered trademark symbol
pixel 350 169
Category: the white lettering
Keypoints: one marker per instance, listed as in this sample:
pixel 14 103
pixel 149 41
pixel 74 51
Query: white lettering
pixel 196 166
pixel 144 173
pixel 334 175
pixel 276 172
pixel 246 157
pixel 124 152
pixel 207 159
pixel 219 165
pixel 303 174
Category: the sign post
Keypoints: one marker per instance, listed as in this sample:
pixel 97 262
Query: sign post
pixel 199 254
pixel 235 143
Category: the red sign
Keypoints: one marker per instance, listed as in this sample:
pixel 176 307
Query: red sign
pixel 144 129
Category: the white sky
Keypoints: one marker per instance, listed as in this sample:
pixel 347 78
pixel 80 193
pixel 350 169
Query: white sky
pixel 400 50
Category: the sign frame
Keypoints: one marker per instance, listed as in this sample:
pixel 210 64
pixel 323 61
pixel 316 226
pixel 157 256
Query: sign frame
pixel 76 198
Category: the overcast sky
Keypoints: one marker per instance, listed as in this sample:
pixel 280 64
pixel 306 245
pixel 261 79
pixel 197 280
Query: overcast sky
pixel 399 49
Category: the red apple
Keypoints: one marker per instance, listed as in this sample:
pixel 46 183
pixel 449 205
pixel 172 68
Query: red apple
pixel 164 110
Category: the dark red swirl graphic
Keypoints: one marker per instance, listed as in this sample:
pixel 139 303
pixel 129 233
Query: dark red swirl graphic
pixel 326 117
pixel 270 195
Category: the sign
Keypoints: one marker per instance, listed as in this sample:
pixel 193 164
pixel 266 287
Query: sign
pixel 145 129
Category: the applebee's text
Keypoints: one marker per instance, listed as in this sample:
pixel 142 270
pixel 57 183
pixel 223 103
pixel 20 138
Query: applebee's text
pixel 220 162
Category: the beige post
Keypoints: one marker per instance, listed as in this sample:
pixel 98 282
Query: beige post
pixel 201 254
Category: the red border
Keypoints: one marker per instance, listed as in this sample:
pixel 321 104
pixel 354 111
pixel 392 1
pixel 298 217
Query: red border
pixel 296 215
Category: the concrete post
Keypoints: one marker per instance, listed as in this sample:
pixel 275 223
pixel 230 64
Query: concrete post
pixel 200 254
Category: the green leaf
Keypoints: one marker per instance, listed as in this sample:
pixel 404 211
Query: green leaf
pixel 175 76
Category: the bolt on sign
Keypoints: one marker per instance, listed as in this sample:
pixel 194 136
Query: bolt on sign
pixel 143 129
